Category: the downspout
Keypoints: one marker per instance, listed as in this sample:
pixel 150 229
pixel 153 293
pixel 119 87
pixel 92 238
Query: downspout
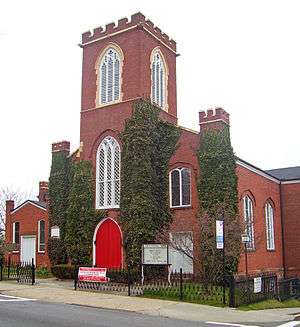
pixel 282 231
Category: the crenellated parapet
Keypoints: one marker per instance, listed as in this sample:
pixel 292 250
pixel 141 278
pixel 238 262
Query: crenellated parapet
pixel 63 146
pixel 138 21
pixel 213 115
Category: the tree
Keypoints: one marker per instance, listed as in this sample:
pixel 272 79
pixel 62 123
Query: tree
pixel 9 193
pixel 218 196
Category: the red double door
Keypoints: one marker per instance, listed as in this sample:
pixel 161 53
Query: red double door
pixel 109 245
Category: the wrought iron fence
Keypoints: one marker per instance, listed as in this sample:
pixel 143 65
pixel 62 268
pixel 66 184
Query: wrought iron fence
pixel 288 288
pixel 22 272
pixel 242 289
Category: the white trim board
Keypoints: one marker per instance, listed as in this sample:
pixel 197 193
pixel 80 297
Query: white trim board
pixel 25 203
pixel 257 171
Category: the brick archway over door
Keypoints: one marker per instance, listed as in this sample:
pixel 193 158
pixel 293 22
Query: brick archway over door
pixel 108 245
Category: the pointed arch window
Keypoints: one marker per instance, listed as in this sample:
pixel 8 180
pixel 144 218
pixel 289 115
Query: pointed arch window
pixel 269 214
pixel 180 187
pixel 158 80
pixel 109 77
pixel 108 174
pixel 249 221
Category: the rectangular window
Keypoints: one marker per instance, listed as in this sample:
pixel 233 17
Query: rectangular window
pixel 270 226
pixel 175 183
pixel 249 222
pixel 16 233
pixel 181 252
pixel 41 236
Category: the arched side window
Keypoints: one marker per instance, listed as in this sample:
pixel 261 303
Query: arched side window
pixel 180 187
pixel 158 80
pixel 109 81
pixel 249 221
pixel 41 236
pixel 108 174
pixel 269 214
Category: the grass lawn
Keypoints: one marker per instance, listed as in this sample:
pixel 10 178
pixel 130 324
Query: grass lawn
pixel 271 304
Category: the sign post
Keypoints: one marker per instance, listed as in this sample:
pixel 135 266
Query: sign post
pixel 245 240
pixel 155 254
pixel 220 243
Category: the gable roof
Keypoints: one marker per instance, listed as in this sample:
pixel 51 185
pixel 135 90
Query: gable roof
pixel 39 204
pixel 285 174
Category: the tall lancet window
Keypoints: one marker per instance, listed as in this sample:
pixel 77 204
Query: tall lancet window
pixel 108 174
pixel 158 80
pixel 109 77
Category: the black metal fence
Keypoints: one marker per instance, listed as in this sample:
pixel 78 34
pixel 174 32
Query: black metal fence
pixel 22 272
pixel 244 291
pixel 232 292
pixel 288 288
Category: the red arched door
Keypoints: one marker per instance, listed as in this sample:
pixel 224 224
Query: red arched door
pixel 108 245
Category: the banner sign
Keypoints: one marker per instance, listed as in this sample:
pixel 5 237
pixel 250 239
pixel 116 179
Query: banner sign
pixel 92 274
pixel 220 234
pixel 155 254
pixel 257 285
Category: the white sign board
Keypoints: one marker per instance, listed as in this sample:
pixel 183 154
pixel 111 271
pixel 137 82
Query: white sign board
pixel 257 285
pixel 155 254
pixel 55 232
pixel 220 234
pixel 245 238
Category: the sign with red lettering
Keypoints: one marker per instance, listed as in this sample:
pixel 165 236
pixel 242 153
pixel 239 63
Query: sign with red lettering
pixel 92 274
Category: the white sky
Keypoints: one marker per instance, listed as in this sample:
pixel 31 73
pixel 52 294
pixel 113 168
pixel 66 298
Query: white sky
pixel 241 55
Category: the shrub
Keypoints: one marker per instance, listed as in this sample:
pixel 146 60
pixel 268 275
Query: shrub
pixel 121 276
pixel 64 271
pixel 42 272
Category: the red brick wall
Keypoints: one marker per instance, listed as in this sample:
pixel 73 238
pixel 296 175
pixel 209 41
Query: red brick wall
pixel 28 216
pixel 291 219
pixel 260 189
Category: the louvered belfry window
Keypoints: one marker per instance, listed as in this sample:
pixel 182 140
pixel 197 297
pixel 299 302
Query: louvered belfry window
pixel 110 75
pixel 108 174
pixel 158 80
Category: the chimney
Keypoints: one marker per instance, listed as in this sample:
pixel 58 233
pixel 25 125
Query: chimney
pixel 214 119
pixel 43 191
pixel 10 205
pixel 63 146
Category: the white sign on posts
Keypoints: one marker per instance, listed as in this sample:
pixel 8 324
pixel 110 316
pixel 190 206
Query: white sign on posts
pixel 220 234
pixel 55 232
pixel 155 254
pixel 257 285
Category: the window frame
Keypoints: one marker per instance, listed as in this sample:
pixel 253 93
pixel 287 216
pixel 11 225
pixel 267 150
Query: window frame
pixel 269 218
pixel 39 236
pixel 98 68
pixel 249 245
pixel 164 85
pixel 179 169
pixel 14 238
pixel 105 180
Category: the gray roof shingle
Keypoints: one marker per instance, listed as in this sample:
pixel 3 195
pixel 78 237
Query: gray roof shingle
pixel 285 174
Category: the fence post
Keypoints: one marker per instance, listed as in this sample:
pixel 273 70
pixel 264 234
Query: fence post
pixel 232 303
pixel 76 278
pixel 128 282
pixel 180 286
pixel 8 268
pixel 32 272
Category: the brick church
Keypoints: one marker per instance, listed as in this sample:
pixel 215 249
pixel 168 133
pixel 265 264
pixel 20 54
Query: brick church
pixel 121 64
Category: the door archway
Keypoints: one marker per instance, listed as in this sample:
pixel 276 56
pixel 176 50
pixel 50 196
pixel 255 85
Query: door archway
pixel 108 245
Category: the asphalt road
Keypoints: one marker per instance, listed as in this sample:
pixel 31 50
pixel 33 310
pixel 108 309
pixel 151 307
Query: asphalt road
pixel 18 312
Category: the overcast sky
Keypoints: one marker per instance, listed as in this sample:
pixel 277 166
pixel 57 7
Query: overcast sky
pixel 241 55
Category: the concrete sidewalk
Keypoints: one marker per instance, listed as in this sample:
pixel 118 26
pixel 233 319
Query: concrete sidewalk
pixel 51 290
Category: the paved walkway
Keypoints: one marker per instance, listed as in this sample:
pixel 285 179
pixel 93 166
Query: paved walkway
pixel 60 291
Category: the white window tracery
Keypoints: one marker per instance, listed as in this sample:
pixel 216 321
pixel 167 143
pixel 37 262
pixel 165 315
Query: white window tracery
pixel 269 214
pixel 108 174
pixel 110 76
pixel 249 221
pixel 158 80
pixel 180 187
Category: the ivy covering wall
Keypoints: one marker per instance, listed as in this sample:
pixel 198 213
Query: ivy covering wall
pixel 81 216
pixel 58 203
pixel 218 196
pixel 148 144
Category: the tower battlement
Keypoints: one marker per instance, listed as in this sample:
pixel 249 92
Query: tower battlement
pixel 138 21
pixel 213 115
